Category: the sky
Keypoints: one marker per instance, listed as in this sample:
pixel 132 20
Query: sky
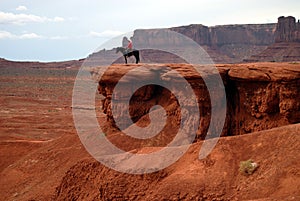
pixel 58 30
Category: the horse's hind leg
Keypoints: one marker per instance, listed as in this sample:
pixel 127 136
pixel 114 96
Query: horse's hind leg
pixel 137 58
pixel 125 59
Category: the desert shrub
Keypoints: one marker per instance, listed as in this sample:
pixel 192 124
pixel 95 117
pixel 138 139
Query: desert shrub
pixel 248 167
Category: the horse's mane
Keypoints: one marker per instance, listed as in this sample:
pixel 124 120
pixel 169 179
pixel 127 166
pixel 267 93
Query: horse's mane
pixel 120 49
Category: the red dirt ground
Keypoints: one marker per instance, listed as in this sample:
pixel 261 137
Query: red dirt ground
pixel 41 156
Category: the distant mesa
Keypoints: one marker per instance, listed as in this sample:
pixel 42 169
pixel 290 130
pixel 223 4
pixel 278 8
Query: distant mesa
pixel 224 43
pixel 287 30
pixel 35 64
pixel 272 42
pixel 287 43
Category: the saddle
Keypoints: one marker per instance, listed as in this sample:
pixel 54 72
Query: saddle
pixel 129 50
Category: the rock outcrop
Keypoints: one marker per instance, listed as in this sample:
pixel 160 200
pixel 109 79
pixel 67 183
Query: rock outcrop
pixel 259 97
pixel 287 30
pixel 224 43
pixel 266 96
pixel 287 43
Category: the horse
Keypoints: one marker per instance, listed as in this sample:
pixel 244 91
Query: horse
pixel 126 54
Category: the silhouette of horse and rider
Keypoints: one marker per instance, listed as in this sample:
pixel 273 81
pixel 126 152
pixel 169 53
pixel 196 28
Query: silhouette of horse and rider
pixel 129 51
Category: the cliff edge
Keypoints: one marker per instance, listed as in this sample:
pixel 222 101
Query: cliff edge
pixel 259 96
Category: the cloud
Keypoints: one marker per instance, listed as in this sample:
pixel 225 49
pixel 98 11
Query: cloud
pixel 20 19
pixel 21 8
pixel 57 19
pixel 58 37
pixel 10 18
pixel 105 34
pixel 29 36
pixel 8 35
pixel 5 35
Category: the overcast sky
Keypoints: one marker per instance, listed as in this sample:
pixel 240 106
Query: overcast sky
pixel 71 29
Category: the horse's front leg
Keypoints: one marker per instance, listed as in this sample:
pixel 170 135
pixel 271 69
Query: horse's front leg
pixel 125 59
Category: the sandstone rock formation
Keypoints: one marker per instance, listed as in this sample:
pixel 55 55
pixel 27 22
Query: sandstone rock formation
pixel 287 30
pixel 287 43
pixel 259 97
pixel 224 43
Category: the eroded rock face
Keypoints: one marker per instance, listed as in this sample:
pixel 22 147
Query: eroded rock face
pixel 287 30
pixel 287 43
pixel 267 97
pixel 259 97
pixel 224 44
pixel 278 42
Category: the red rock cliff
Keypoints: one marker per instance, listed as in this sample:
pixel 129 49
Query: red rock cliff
pixel 287 43
pixel 225 44
pixel 259 97
pixel 287 30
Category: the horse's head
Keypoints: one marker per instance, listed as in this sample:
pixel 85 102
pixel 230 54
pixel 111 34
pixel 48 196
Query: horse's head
pixel 120 49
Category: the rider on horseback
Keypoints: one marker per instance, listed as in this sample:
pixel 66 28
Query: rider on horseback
pixel 129 46
pixel 128 51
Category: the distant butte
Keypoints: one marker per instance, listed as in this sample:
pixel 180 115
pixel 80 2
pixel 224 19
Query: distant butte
pixel 224 43
pixel 287 43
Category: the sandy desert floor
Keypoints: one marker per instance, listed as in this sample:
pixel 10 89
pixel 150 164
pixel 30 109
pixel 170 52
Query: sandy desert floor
pixel 41 157
pixel 35 111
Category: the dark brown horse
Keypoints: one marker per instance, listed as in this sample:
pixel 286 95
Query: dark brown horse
pixel 126 54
